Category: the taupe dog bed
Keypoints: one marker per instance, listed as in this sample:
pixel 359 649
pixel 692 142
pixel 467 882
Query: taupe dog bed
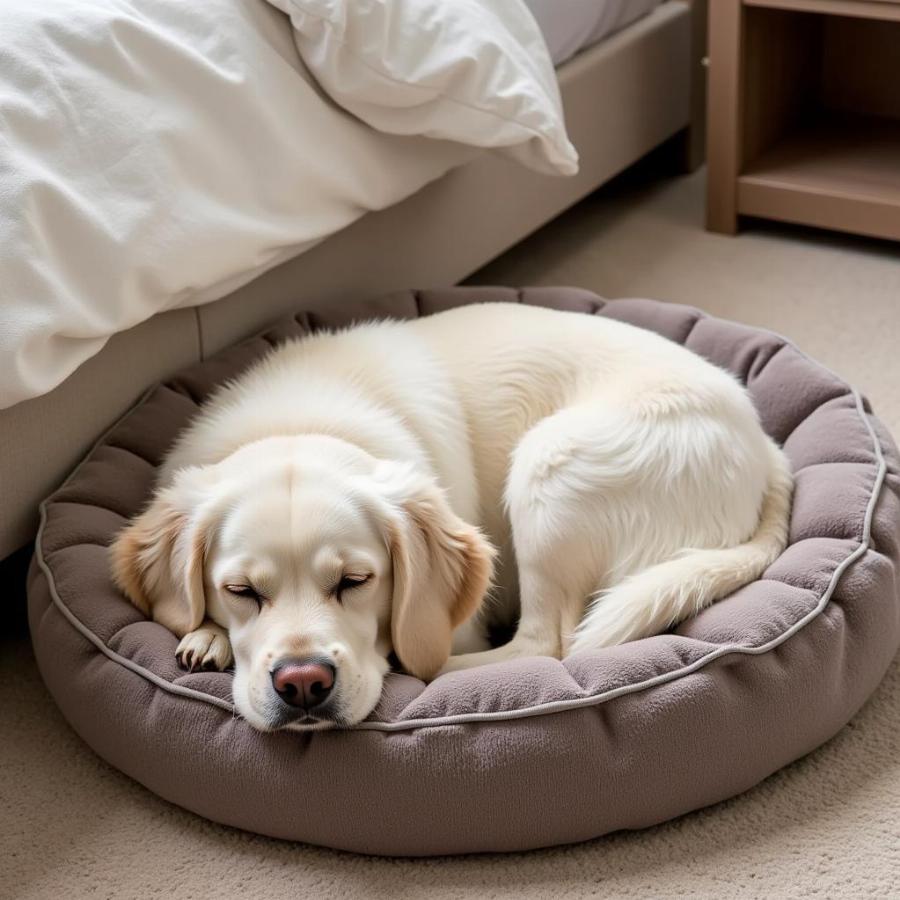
pixel 524 754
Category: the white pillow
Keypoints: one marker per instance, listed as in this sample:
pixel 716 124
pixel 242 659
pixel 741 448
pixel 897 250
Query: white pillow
pixel 473 71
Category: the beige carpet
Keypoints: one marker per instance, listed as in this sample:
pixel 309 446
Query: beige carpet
pixel 828 826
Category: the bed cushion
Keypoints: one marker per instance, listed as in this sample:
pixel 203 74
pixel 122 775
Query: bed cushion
pixel 516 755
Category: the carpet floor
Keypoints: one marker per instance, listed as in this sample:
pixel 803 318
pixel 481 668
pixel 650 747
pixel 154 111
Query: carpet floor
pixel 826 826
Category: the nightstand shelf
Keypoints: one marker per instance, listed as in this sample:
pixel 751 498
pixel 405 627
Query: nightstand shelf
pixel 836 169
pixel 805 114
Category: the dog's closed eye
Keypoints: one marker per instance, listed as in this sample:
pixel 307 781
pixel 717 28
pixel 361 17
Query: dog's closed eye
pixel 245 590
pixel 348 583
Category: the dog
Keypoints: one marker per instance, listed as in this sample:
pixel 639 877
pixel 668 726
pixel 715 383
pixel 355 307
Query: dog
pixel 399 487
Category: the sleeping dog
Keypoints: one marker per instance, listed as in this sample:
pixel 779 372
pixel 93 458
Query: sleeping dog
pixel 400 487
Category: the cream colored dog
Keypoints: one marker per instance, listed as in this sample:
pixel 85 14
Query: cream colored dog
pixel 336 503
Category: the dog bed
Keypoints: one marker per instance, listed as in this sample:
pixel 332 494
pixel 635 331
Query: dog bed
pixel 523 754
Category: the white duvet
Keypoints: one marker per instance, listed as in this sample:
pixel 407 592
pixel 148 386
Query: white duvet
pixel 158 153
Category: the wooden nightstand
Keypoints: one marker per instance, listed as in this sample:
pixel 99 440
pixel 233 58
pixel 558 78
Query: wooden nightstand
pixel 804 114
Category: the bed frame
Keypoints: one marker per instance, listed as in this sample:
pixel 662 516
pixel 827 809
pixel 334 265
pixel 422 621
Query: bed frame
pixel 623 97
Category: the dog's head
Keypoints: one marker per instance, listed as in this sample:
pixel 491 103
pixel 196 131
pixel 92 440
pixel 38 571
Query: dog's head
pixel 319 560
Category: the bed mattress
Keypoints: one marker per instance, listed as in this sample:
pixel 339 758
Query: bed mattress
pixel 572 25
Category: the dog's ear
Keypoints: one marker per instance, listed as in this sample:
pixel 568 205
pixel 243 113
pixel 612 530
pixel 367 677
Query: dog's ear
pixel 158 559
pixel 442 568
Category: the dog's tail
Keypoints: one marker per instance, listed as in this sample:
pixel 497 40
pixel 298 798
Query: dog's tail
pixel 653 600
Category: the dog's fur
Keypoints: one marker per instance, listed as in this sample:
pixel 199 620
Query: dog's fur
pixel 625 482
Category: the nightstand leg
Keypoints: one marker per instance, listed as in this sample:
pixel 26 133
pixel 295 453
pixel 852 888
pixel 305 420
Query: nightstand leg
pixel 723 141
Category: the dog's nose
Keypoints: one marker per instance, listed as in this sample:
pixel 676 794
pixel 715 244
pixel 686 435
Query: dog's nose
pixel 305 683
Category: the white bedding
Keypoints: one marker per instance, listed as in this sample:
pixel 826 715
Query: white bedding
pixel 158 153
pixel 571 25
pixel 475 71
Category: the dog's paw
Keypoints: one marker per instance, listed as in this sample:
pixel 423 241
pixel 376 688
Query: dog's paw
pixel 207 649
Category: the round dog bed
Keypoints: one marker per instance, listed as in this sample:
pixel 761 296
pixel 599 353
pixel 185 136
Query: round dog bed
pixel 528 753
